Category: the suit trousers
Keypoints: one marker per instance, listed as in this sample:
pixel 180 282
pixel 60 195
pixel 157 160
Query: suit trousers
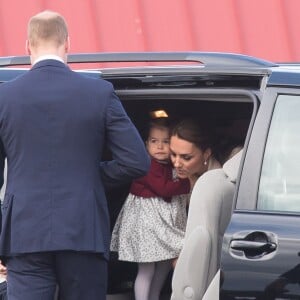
pixel 36 276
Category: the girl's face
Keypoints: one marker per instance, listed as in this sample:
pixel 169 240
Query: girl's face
pixel 158 144
pixel 188 160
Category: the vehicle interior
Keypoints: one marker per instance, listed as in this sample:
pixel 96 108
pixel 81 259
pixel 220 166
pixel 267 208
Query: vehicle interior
pixel 229 112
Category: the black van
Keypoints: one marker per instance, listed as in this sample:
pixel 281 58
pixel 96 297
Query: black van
pixel 249 100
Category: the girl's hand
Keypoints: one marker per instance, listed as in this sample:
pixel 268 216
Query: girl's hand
pixel 3 270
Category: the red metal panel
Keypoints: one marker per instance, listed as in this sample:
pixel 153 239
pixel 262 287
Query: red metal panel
pixel 265 28
pixel 13 25
pixel 119 25
pixel 215 25
pixel 264 33
pixel 291 11
pixel 166 25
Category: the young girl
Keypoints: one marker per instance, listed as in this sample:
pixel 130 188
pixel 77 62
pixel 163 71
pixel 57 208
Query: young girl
pixel 150 227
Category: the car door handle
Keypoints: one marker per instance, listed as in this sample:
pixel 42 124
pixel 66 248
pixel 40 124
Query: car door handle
pixel 253 245
pixel 252 249
pixel 243 245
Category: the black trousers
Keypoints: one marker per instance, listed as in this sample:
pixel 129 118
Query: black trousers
pixel 36 276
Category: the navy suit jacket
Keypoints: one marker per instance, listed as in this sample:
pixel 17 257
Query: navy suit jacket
pixel 54 127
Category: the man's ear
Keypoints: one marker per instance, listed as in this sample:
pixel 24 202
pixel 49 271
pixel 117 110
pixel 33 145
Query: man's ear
pixel 67 45
pixel 27 48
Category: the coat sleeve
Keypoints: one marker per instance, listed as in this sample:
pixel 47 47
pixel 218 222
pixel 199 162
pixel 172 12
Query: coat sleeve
pixel 160 182
pixel 130 159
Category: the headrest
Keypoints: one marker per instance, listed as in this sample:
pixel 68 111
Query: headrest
pixel 231 166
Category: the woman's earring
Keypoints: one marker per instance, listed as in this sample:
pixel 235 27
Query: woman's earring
pixel 205 163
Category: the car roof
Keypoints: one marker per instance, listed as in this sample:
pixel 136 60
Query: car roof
pixel 206 58
pixel 143 64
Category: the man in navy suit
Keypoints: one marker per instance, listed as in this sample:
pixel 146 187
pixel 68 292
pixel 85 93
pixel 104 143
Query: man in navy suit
pixel 54 126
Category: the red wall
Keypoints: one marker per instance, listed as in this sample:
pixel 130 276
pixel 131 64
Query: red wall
pixel 268 29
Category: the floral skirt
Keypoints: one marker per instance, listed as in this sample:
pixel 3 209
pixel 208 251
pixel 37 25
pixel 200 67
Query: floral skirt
pixel 150 229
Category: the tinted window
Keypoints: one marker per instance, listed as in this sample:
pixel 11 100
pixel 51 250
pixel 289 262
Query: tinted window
pixel 280 178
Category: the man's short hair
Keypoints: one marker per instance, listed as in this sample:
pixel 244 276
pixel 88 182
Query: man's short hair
pixel 47 26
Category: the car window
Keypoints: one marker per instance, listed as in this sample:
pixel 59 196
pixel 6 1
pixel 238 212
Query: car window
pixel 279 188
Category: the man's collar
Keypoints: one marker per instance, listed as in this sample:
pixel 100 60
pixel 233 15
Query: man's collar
pixel 49 56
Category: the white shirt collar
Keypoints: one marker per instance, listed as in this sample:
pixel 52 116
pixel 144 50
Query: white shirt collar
pixel 49 56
